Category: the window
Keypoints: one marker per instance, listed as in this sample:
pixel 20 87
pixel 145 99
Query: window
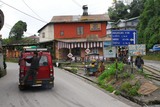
pixel 43 35
pixel 61 33
pixel 95 50
pixel 80 30
pixel 28 57
pixel 43 61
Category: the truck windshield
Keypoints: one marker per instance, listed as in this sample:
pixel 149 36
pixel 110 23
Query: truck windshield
pixel 43 61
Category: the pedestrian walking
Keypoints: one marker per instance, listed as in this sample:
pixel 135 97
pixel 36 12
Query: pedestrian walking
pixel 139 63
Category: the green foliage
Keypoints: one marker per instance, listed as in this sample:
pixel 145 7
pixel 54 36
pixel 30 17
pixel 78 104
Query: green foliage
pixel 136 7
pixel 133 91
pixel 129 89
pixel 118 11
pixel 120 66
pixel 149 25
pixel 74 70
pixel 102 76
pixel 6 41
pixel 109 88
pixel 125 86
pixel 117 92
pixel 132 76
pixel 21 41
pixel 126 75
pixel 106 75
pixel 17 30
pixel 152 56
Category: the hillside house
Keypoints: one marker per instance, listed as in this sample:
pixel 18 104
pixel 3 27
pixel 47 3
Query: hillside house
pixel 76 33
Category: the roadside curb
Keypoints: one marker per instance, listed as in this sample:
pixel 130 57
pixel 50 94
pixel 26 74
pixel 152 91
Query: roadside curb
pixel 87 78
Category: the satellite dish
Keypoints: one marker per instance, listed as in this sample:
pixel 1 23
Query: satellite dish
pixel 1 19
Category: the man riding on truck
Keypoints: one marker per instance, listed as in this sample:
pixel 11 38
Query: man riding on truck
pixel 33 68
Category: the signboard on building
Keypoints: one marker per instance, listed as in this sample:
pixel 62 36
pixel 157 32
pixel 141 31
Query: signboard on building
pixel 107 43
pixel 123 37
pixel 138 49
pixel 95 26
pixel 70 55
pixel 109 52
pixel 87 51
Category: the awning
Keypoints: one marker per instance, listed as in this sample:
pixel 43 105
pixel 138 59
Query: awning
pixel 95 44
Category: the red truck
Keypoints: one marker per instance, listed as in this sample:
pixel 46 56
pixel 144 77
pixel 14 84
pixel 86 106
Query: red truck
pixel 45 73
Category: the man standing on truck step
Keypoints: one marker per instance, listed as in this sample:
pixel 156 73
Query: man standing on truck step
pixel 33 68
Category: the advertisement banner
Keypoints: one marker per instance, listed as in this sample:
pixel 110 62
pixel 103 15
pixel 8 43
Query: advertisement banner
pixel 136 50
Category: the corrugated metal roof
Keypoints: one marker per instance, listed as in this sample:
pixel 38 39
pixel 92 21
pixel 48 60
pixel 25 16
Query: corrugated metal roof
pixel 78 18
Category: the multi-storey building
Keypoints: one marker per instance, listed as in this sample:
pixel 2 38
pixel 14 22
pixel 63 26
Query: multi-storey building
pixel 76 33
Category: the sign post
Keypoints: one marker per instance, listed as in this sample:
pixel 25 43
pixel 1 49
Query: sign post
pixel 123 38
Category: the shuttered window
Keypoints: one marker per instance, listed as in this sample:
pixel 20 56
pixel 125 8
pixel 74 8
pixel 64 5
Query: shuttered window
pixel 80 31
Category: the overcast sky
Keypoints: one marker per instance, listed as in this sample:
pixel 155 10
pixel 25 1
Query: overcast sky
pixel 36 13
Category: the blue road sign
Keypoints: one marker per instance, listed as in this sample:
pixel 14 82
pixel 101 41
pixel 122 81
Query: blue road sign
pixel 123 37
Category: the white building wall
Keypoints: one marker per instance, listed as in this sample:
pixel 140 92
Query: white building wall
pixel 122 24
pixel 47 33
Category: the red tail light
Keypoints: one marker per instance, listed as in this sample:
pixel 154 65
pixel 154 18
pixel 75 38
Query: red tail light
pixel 51 71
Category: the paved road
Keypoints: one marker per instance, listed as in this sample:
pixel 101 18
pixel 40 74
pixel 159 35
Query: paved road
pixel 69 91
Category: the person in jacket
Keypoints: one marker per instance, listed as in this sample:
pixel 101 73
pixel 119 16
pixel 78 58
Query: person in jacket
pixel 139 63
pixel 33 67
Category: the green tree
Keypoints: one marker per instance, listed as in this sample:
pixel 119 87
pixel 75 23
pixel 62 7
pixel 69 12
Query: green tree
pixel 136 7
pixel 149 25
pixel 118 11
pixel 18 30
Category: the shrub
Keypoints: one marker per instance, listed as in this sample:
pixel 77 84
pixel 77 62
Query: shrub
pixel 117 92
pixel 74 70
pixel 129 89
pixel 108 73
pixel 133 91
pixel 125 86
pixel 110 88
pixel 126 75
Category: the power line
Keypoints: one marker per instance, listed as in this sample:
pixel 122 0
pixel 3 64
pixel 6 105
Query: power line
pixel 31 9
pixel 77 3
pixel 23 12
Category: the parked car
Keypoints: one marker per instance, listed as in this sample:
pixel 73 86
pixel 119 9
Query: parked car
pixel 155 48
pixel 45 73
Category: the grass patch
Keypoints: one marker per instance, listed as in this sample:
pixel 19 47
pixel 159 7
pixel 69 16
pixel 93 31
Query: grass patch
pixel 110 88
pixel 152 56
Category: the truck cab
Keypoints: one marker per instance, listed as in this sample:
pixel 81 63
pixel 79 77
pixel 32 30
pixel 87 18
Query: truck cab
pixel 45 73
